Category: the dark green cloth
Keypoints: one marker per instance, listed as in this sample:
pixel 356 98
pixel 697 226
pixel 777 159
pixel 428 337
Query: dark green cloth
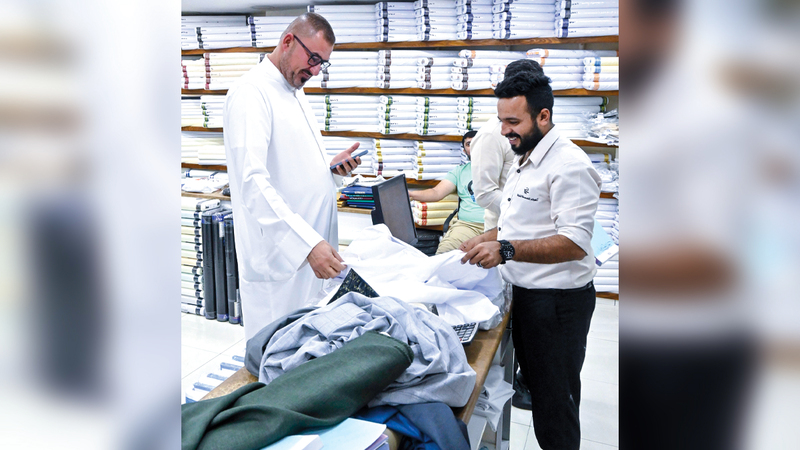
pixel 319 393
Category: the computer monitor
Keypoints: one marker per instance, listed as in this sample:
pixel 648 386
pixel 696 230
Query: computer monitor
pixel 393 207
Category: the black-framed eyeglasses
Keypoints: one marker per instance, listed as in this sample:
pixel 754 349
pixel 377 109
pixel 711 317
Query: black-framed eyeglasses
pixel 313 58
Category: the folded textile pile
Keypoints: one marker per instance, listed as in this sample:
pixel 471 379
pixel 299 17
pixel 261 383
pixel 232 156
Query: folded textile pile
pixel 603 127
pixel 202 148
pixel 581 18
pixel 192 292
pixel 413 68
pixel 436 115
pixel 571 114
pixel 397 114
pixel 358 197
pixel 601 73
pixel 434 213
pixel 473 112
pixel 210 32
pixel 393 157
pixel 216 71
pixel 193 74
pixel 267 30
pixel 474 69
pixel 350 23
pixel 395 22
pixel 433 159
pixel 205 111
pixel 608 169
pixel 520 19
pixel 436 20
pixel 345 112
pixel 336 145
pixel 474 19
pixel 347 69
pixel 607 277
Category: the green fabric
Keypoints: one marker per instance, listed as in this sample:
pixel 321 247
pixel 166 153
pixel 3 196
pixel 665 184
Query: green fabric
pixel 468 210
pixel 319 393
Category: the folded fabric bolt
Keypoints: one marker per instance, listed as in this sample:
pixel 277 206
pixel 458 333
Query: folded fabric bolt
pixel 523 8
pixel 435 206
pixel 599 77
pixel 474 18
pixel 319 393
pixel 469 26
pixel 436 101
pixel 427 145
pixel 392 143
pixel 585 32
pixel 601 85
pixel 587 4
pixel 541 24
pixel 601 61
pixel 601 69
pixel 504 34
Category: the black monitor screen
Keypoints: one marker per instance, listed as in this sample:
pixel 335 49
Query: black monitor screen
pixel 393 207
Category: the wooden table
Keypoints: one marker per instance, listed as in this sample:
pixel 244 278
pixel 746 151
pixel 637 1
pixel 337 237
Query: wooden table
pixel 480 354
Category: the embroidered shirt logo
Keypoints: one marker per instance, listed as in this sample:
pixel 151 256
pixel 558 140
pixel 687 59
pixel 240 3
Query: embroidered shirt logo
pixel 527 191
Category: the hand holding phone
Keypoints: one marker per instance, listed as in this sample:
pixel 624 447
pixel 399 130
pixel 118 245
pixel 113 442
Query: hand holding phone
pixel 353 156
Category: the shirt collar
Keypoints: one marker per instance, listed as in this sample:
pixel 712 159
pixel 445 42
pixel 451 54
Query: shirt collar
pixel 272 72
pixel 544 146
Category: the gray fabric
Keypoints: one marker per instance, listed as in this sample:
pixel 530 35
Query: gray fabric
pixel 257 343
pixel 439 373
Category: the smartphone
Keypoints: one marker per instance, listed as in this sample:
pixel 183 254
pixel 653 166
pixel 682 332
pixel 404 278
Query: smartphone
pixel 353 156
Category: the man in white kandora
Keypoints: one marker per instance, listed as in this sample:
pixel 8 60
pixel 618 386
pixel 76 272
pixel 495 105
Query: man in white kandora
pixel 283 188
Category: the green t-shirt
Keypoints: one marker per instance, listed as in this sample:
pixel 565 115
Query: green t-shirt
pixel 468 210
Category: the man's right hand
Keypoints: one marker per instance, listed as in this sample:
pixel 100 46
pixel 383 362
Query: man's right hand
pixel 325 261
pixel 469 244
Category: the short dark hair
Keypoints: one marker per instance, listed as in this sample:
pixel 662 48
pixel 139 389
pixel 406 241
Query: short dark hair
pixel 535 86
pixel 309 24
pixel 469 134
pixel 522 65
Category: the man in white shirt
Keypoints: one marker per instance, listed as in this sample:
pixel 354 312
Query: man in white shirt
pixel 283 190
pixel 543 241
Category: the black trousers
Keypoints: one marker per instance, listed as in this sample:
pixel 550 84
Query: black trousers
pixel 549 328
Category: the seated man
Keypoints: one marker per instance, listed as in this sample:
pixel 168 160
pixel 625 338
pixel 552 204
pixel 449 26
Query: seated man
pixel 469 221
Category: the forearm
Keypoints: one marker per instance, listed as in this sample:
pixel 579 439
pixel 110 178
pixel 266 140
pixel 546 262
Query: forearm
pixel 489 235
pixel 428 195
pixel 550 250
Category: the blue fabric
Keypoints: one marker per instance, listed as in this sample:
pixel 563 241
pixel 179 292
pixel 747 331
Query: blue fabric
pixel 427 426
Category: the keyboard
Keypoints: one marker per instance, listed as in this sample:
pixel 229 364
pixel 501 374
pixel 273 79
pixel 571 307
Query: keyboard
pixel 466 332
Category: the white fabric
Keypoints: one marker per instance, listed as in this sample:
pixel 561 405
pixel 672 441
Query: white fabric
pixel 271 137
pixel 555 191
pixel 585 32
pixel 492 157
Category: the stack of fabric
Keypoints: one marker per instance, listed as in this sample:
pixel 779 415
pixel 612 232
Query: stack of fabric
pixel 345 112
pixel 358 197
pixel 474 19
pixel 581 18
pixel 192 253
pixel 431 155
pixel 608 169
pixel 434 213
pixel 350 23
pixel 267 30
pixel 348 69
pixel 473 112
pixel 436 116
pixel 565 68
pixel 205 111
pixel 395 22
pixel 202 148
pixel 571 113
pixel 397 69
pixel 601 73
pixel 336 145
pixel 603 127
pixel 193 74
pixel 433 70
pixel 607 276
pixel 393 157
pixel 520 19
pixel 397 114
pixel 223 69
pixel 436 20
pixel 210 32
pixel 474 68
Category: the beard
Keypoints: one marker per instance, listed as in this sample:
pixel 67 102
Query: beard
pixel 296 79
pixel 527 142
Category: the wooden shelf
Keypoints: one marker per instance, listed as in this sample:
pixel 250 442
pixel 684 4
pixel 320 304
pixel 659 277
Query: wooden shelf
pixel 611 295
pixel 414 91
pixel 607 195
pixel 426 44
pixel 216 168
pixel 217 195
pixel 350 209
pixel 405 136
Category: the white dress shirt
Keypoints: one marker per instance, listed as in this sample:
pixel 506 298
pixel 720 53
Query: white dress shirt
pixel 492 158
pixel 282 192
pixel 555 191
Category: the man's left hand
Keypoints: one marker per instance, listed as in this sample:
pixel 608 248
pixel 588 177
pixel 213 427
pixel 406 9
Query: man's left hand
pixel 349 163
pixel 485 254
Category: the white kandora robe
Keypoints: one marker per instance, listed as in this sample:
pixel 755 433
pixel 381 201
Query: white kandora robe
pixel 282 191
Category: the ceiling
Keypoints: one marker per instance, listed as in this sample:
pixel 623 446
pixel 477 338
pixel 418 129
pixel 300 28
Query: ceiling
pixel 255 6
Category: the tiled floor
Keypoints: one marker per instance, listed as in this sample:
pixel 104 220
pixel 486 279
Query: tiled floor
pixel 206 342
